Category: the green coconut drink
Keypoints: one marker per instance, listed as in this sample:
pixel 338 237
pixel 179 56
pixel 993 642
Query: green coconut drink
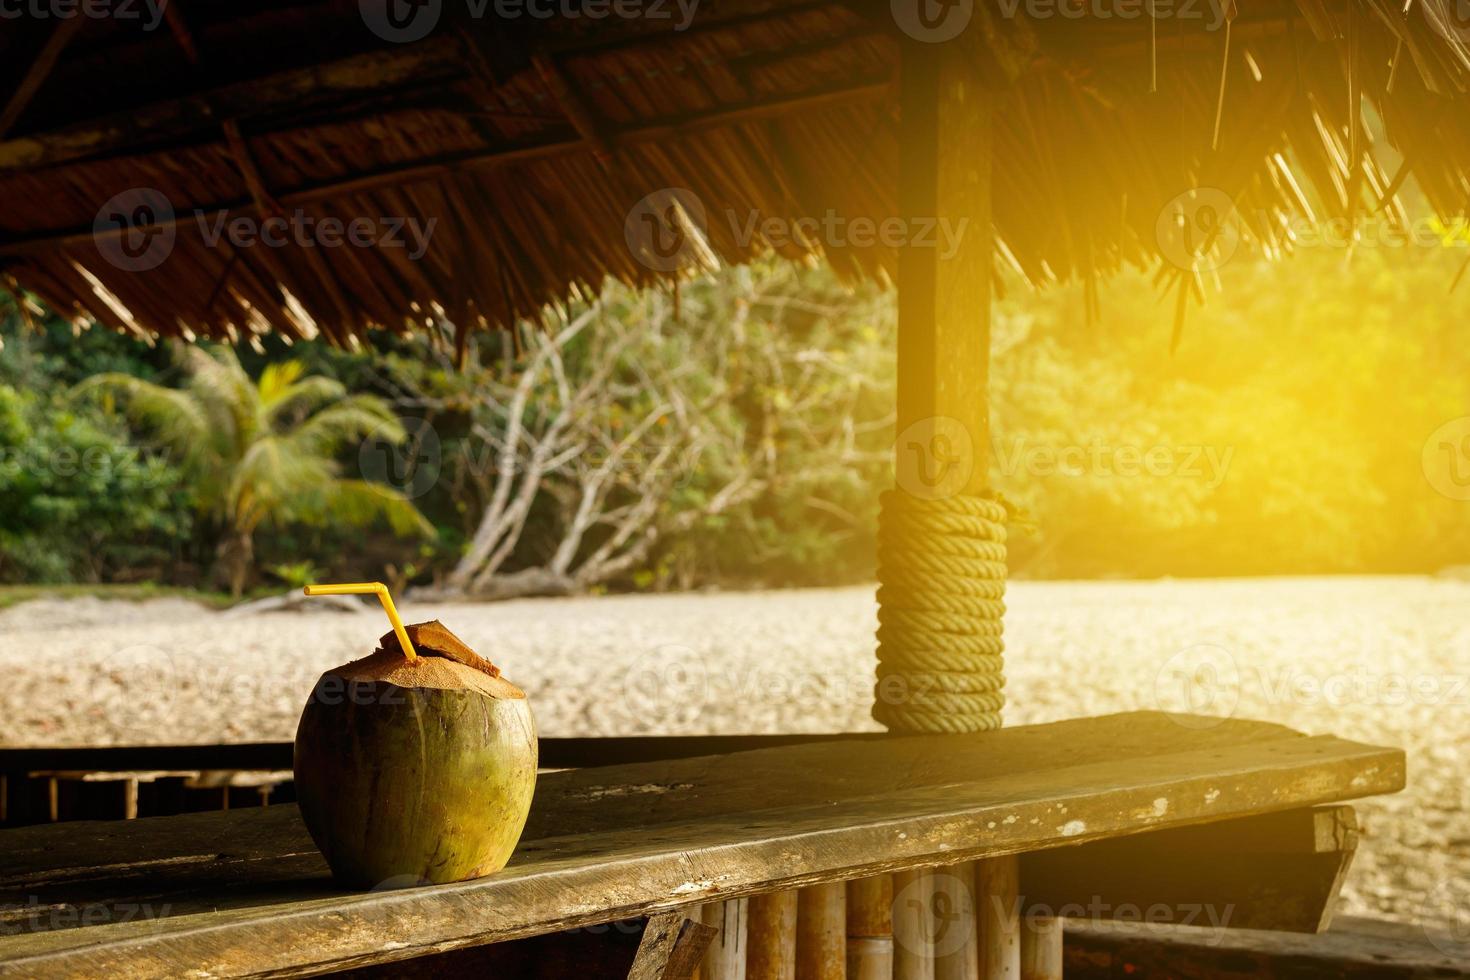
pixel 415 765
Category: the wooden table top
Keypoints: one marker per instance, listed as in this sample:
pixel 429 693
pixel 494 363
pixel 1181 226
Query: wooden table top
pixel 244 892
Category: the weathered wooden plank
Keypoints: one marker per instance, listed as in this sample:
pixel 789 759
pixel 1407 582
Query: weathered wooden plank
pixel 244 893
pixel 640 794
pixel 553 753
pixel 636 796
pixel 1279 871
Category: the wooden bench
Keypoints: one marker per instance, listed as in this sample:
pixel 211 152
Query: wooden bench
pixel 1236 814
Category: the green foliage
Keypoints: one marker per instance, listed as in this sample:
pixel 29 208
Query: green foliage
pixel 1284 435
pixel 78 501
pixel 265 451
pixel 1289 424
pixel 296 575
pixel 812 373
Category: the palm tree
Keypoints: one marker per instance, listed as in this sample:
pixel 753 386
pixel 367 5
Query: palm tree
pixel 265 451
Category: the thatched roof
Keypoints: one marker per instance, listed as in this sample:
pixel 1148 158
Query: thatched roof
pixel 529 141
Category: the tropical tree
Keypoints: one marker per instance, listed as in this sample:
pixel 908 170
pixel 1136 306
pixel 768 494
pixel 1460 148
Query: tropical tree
pixel 645 438
pixel 264 451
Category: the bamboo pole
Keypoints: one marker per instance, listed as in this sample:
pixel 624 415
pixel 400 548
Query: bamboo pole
pixel 999 914
pixel 725 959
pixel 869 958
pixel 130 799
pixel 771 937
pixel 1041 949
pixel 821 932
pixel 870 928
pixel 956 929
pixel 912 911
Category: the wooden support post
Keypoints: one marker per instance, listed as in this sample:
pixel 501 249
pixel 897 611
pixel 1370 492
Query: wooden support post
pixel 956 928
pixel 870 928
pixel 771 937
pixel 1041 948
pixel 671 948
pixel 943 385
pixel 944 299
pixel 912 927
pixel 999 915
pixel 821 932
pixel 726 957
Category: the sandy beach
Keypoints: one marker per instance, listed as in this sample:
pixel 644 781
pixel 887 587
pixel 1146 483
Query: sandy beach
pixel 1383 660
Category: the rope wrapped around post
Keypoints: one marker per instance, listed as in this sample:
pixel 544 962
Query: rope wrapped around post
pixel 941 575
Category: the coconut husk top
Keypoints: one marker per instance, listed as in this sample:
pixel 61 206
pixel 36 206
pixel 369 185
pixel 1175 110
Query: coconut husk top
pixel 433 639
pixel 444 662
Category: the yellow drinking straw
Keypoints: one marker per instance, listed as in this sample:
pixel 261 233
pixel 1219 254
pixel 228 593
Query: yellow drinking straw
pixel 371 588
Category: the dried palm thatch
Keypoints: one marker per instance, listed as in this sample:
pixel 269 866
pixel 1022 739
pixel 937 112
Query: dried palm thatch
pixel 526 145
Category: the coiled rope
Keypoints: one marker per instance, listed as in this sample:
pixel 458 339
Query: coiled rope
pixel 941 575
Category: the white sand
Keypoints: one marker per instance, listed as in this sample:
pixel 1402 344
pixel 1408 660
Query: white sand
pixel 1321 655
